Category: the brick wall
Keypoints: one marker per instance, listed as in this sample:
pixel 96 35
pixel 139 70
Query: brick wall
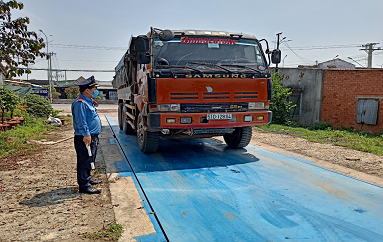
pixel 340 89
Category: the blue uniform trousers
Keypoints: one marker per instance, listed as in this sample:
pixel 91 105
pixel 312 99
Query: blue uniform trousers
pixel 83 162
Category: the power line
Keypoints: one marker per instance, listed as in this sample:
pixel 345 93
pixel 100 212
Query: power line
pixel 44 69
pixel 87 61
pixel 300 57
pixel 125 48
pixel 325 47
pixel 89 47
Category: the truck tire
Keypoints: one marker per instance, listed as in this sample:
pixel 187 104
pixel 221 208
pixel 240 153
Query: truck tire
pixel 239 138
pixel 148 141
pixel 120 118
pixel 125 125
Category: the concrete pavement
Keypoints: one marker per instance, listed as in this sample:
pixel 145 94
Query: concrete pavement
pixel 127 204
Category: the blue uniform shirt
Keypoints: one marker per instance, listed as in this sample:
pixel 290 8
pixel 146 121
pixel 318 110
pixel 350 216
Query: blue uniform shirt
pixel 85 118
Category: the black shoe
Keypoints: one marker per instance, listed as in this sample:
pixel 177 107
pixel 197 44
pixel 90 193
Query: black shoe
pixel 90 190
pixel 95 182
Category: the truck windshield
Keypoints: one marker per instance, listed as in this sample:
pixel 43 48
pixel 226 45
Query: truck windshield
pixel 220 51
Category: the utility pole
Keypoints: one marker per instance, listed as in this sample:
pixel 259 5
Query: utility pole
pixel 369 48
pixel 50 75
pixel 276 65
pixel 49 79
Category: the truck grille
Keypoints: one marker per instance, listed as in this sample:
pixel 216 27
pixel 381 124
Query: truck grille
pixel 244 95
pixel 213 95
pixel 213 107
pixel 184 96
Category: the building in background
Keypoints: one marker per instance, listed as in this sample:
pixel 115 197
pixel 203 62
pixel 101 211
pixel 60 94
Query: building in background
pixel 331 64
pixel 336 64
pixel 107 92
pixel 343 98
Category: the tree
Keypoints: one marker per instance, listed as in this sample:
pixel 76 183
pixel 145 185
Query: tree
pixel 18 46
pixel 72 92
pixel 280 106
pixel 8 101
pixel 55 93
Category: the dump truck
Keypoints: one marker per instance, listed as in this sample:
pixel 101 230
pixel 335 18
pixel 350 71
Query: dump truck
pixel 184 84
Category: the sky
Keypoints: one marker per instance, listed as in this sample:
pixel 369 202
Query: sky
pixel 93 35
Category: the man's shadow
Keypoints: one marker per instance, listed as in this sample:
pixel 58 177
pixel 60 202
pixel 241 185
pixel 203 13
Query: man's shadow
pixel 53 197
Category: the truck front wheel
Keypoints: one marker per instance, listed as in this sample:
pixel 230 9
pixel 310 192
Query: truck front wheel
pixel 148 141
pixel 239 138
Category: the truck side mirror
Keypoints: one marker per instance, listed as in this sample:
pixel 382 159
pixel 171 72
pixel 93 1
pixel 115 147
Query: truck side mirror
pixel 142 43
pixel 276 56
pixel 143 58
pixel 142 48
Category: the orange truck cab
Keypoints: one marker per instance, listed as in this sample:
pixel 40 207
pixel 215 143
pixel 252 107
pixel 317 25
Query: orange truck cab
pixel 184 84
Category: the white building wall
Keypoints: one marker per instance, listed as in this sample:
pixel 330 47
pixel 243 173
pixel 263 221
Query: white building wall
pixel 336 64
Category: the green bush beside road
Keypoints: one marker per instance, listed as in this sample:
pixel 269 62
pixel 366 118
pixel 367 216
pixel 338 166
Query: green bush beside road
pixel 15 141
pixel 35 109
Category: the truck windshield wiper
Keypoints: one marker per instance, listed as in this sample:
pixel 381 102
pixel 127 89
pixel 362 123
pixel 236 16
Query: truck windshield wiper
pixel 245 67
pixel 177 66
pixel 210 64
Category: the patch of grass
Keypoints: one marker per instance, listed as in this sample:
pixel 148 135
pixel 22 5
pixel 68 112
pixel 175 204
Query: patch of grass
pixel 323 133
pixel 112 232
pixel 15 141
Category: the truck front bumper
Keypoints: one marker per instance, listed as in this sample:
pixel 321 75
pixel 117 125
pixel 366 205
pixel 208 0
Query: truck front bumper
pixel 199 120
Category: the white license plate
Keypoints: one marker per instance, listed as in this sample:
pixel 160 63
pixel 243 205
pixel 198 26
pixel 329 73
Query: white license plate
pixel 218 116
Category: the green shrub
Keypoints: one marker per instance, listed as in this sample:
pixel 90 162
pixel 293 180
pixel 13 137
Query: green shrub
pixel 280 106
pixel 320 126
pixel 55 113
pixel 14 142
pixel 349 129
pixel 72 92
pixel 38 106
pixel 112 233
pixel 8 101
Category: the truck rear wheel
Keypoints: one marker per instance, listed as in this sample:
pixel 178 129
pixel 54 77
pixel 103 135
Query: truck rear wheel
pixel 239 138
pixel 120 113
pixel 148 141
pixel 126 126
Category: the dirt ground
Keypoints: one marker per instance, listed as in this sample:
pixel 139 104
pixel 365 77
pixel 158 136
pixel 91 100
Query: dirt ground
pixel 358 164
pixel 40 200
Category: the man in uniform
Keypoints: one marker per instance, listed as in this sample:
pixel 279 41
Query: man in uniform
pixel 87 126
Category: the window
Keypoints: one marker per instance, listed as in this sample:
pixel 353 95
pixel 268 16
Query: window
pixel 176 52
pixel 296 99
pixel 367 111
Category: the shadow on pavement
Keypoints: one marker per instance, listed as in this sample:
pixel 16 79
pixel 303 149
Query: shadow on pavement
pixel 53 197
pixel 182 154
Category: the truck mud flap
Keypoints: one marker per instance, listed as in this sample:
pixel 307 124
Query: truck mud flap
pixel 153 120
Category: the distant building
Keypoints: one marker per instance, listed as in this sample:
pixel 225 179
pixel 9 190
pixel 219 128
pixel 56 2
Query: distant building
pixel 105 88
pixel 336 64
pixel 331 64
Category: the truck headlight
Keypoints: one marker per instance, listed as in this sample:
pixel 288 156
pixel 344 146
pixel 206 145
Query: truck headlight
pixel 256 105
pixel 168 107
